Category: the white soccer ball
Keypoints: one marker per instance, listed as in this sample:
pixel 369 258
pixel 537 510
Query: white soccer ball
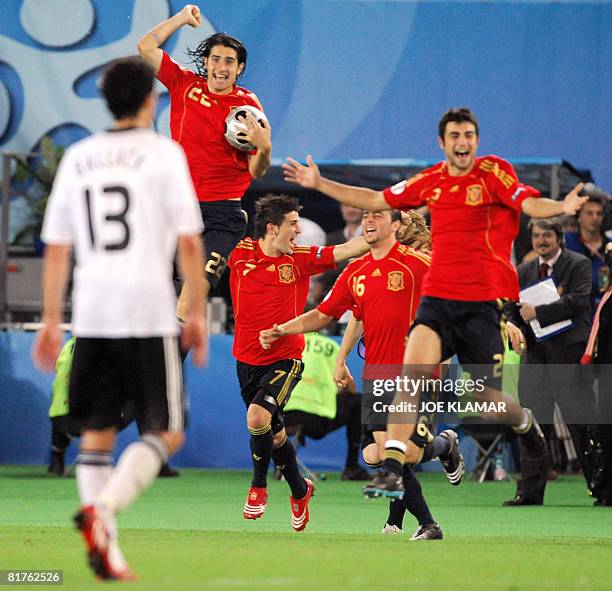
pixel 235 127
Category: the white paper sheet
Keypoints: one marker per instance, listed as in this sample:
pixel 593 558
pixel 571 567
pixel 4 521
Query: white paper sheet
pixel 544 292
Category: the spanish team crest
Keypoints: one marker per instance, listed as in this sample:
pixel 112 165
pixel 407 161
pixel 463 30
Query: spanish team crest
pixel 474 195
pixel 395 281
pixel 285 274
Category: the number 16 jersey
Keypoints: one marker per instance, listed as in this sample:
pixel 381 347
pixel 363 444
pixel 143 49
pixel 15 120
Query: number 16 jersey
pixel 384 294
pixel 121 198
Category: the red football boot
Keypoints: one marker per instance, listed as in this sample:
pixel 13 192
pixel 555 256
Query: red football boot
pixel 105 558
pixel 299 508
pixel 256 503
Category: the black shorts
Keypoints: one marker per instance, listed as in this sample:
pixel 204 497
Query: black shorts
pixel 277 380
pixel 109 375
pixel 68 425
pixel 474 331
pixel 373 418
pixel 225 224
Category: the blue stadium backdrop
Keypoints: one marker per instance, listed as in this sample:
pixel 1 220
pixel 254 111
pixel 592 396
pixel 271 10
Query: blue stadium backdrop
pixel 216 438
pixel 339 79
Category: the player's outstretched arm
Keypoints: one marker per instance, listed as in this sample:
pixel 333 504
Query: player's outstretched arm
pixel 55 276
pixel 313 320
pixel 546 208
pixel 309 177
pixel 348 250
pixel 149 45
pixel 342 374
pixel 191 263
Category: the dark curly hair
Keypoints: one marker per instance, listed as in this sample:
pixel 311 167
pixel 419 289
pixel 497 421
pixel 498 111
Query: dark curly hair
pixel 414 231
pixel 202 51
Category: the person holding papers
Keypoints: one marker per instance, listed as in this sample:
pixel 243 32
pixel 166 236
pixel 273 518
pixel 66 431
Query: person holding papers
pixel 551 339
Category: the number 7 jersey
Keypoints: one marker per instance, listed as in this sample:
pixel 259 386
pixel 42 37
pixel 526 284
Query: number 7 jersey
pixel 271 290
pixel 121 198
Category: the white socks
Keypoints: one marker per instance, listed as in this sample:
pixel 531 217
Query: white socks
pixel 396 444
pixel 138 466
pixel 93 470
pixel 524 426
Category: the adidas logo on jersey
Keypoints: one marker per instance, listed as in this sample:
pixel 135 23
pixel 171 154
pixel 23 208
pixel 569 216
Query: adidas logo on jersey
pixel 376 273
pixel 270 268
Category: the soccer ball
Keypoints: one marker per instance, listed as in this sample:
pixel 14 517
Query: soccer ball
pixel 235 127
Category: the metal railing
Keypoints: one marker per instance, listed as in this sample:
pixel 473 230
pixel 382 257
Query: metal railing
pixel 4 227
pixel 6 190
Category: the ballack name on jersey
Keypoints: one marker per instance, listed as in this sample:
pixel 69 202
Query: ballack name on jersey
pixel 131 158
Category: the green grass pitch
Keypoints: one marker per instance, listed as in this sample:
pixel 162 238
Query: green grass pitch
pixel 188 533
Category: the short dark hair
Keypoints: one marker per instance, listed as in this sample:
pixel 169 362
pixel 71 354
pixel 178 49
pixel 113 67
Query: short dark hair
pixel 396 214
pixel 460 115
pixel 553 224
pixel 202 51
pixel 598 199
pixel 126 83
pixel 271 209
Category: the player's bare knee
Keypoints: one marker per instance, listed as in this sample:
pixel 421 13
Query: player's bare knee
pixel 413 453
pixel 173 440
pixel 371 455
pixel 279 438
pixel 380 438
pixel 498 406
pixel 258 417
pixel 98 440
pixel 424 347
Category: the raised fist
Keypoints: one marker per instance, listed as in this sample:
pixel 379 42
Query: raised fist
pixel 192 15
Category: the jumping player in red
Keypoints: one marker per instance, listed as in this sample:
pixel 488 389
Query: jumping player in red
pixel 382 288
pixel 269 283
pixel 475 204
pixel 199 104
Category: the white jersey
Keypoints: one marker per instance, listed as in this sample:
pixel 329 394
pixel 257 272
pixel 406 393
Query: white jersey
pixel 121 198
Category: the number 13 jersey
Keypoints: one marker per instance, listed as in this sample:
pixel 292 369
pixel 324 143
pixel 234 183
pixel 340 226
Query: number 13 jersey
pixel 121 198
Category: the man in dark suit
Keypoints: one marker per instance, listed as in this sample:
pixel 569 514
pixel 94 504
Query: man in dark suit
pixel 550 369
pixel 599 350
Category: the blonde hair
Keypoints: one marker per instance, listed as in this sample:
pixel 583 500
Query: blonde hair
pixel 414 231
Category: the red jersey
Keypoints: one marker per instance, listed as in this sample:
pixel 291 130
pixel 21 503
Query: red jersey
pixel 197 122
pixel 474 219
pixel 271 290
pixel 384 294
